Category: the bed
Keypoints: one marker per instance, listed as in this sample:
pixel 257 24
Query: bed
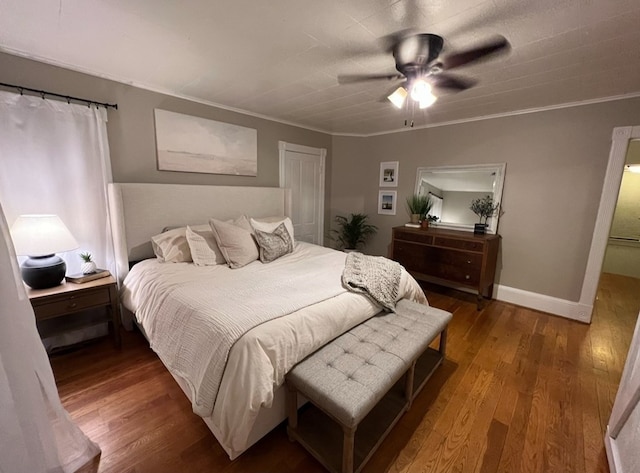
pixel 279 312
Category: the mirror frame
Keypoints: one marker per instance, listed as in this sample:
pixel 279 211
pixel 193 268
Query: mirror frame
pixel 498 185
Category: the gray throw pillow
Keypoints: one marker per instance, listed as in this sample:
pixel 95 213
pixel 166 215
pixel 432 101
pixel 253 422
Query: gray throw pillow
pixel 275 244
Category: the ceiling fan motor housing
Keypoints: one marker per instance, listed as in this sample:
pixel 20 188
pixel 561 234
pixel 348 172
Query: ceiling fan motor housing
pixel 415 52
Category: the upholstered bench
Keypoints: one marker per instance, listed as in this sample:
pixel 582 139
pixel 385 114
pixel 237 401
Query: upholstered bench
pixel 355 380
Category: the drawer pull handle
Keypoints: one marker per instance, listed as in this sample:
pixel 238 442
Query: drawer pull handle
pixel 469 262
pixel 73 305
pixel 467 277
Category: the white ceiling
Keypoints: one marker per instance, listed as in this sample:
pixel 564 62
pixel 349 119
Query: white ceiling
pixel 280 58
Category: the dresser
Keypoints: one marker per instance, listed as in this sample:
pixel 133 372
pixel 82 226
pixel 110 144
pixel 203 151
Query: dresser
pixel 449 257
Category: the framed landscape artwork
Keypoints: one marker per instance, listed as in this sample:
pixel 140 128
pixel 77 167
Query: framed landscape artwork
pixel 194 144
pixel 387 202
pixel 389 174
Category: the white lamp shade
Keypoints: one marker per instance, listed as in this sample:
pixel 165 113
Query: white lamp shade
pixel 398 96
pixel 40 235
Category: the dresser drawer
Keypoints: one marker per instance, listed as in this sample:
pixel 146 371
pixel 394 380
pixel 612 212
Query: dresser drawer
pixel 460 275
pixel 413 256
pixel 411 236
pixel 461 259
pixel 459 244
pixel 67 303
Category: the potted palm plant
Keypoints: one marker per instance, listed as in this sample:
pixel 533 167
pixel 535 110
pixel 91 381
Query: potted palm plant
pixel 418 206
pixel 353 231
pixel 485 208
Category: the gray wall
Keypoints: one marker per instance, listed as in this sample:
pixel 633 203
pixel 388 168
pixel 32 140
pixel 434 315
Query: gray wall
pixel 556 162
pixel 131 127
pixel 555 167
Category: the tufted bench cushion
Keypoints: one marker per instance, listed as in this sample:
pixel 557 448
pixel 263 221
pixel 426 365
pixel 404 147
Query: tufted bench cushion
pixel 349 376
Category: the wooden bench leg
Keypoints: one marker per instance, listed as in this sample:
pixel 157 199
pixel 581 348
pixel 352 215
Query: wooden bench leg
pixel 292 410
pixel 347 449
pixel 443 342
pixel 408 387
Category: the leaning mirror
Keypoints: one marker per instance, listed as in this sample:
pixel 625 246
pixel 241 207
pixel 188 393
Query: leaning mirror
pixel 453 188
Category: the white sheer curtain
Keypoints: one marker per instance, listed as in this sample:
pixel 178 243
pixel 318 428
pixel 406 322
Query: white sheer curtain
pixel 36 433
pixel 54 158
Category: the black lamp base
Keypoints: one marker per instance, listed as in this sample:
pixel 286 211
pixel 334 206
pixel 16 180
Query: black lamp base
pixel 41 272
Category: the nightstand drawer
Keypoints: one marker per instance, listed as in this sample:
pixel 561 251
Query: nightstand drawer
pixel 67 303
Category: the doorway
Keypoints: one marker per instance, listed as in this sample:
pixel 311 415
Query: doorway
pixel 618 298
pixel 621 139
pixel 302 170
pixel 623 249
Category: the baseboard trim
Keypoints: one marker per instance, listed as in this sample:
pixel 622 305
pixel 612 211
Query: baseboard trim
pixel 553 305
pixel 612 453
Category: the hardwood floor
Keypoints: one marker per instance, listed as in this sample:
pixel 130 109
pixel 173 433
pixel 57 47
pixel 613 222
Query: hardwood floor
pixel 519 391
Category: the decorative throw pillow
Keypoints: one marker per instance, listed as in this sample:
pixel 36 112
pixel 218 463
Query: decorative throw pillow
pixel 172 246
pixel 203 247
pixel 275 244
pixel 236 243
pixel 269 224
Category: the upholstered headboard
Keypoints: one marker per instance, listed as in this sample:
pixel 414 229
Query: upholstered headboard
pixel 139 211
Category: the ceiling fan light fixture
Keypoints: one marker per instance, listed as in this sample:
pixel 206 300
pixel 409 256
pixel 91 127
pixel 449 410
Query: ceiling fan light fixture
pixel 428 101
pixel 420 90
pixel 398 97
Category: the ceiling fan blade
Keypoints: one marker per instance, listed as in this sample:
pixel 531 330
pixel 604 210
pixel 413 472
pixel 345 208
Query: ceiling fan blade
pixel 353 78
pixel 450 81
pixel 494 46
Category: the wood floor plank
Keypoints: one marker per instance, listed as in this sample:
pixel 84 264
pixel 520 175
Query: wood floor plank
pixel 519 391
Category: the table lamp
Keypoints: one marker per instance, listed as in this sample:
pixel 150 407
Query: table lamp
pixel 39 237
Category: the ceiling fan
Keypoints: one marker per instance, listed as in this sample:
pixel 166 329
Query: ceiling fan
pixel 419 65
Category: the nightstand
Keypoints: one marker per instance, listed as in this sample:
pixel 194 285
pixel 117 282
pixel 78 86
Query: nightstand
pixel 69 298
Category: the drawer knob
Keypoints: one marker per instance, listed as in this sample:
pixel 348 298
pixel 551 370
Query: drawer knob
pixel 73 305
pixel 467 277
pixel 468 261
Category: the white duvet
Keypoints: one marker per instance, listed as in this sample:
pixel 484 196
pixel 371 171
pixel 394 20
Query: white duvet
pixel 295 305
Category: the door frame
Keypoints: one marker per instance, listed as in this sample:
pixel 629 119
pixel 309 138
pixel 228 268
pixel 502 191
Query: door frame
pixel 608 200
pixel 321 153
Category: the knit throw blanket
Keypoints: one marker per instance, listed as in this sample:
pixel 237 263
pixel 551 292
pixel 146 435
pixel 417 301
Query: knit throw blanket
pixel 375 276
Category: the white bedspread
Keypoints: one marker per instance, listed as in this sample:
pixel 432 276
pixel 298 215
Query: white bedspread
pixel 288 308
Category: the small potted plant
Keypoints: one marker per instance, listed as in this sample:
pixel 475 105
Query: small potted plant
pixel 418 206
pixel 485 208
pixel 353 231
pixel 88 265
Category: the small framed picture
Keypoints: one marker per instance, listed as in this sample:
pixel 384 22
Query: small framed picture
pixel 389 174
pixel 387 202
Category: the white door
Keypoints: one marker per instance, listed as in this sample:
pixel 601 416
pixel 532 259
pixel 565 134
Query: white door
pixel 302 171
pixel 623 432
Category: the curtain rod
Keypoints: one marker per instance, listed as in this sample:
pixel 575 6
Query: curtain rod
pixel 68 98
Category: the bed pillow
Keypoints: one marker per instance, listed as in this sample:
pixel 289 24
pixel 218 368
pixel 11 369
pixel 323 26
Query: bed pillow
pixel 274 244
pixel 243 222
pixel 203 246
pixel 269 224
pixel 236 243
pixel 171 246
